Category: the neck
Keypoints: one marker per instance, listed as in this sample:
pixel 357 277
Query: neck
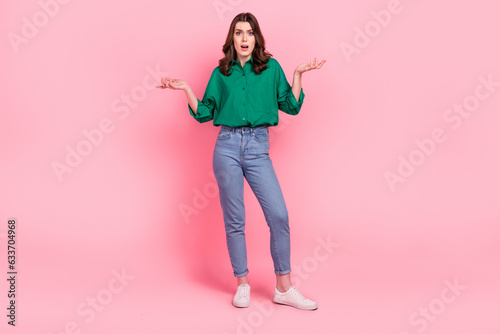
pixel 244 59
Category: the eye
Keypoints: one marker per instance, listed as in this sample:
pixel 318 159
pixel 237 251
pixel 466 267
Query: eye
pixel 238 33
pixel 250 33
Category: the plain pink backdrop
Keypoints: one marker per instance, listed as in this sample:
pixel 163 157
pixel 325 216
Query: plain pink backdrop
pixel 397 249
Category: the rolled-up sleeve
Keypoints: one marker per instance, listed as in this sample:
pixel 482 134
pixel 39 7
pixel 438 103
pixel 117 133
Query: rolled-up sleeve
pixel 210 101
pixel 286 100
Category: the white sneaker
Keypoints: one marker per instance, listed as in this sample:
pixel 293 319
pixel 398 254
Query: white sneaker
pixel 294 298
pixel 242 296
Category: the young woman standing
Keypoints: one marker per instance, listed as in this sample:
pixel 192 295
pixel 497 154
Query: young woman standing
pixel 243 96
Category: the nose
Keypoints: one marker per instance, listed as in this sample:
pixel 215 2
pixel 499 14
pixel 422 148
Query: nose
pixel 244 37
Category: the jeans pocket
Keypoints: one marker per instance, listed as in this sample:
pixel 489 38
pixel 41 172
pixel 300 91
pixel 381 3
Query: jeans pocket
pixel 224 134
pixel 262 137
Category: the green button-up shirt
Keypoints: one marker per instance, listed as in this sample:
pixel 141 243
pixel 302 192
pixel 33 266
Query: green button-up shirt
pixel 245 98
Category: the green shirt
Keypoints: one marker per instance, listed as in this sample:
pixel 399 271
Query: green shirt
pixel 245 98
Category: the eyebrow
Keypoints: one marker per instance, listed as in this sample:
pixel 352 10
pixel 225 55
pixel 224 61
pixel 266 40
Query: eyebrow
pixel 242 30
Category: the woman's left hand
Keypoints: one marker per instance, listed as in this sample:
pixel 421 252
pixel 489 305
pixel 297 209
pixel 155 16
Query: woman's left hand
pixel 313 64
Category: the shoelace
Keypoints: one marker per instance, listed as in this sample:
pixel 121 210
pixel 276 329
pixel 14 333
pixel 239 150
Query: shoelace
pixel 242 291
pixel 298 294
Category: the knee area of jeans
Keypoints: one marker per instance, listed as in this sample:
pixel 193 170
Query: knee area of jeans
pixel 234 229
pixel 281 215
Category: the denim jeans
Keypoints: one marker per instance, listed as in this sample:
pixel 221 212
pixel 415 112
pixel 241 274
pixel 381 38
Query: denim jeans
pixel 243 152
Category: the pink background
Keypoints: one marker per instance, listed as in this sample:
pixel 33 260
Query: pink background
pixel 397 249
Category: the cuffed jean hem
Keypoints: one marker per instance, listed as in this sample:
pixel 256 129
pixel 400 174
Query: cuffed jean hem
pixel 282 272
pixel 241 275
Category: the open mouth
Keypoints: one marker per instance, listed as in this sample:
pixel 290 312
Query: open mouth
pixel 244 47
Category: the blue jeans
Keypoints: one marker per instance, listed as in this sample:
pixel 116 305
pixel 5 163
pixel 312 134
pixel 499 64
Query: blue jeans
pixel 243 152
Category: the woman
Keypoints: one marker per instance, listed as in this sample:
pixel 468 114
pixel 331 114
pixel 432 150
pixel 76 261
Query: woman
pixel 243 96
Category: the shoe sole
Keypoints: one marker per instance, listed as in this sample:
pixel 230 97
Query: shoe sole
pixel 299 307
pixel 241 306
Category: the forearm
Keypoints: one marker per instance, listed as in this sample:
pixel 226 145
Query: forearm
pixel 296 84
pixel 192 100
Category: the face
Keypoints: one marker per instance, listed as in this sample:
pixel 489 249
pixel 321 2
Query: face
pixel 244 40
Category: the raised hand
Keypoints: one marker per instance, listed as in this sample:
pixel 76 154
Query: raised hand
pixel 313 64
pixel 167 82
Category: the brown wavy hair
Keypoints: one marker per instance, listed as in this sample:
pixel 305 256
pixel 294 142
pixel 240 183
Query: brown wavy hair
pixel 259 53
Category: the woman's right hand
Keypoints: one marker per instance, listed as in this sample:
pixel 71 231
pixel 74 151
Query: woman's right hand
pixel 167 82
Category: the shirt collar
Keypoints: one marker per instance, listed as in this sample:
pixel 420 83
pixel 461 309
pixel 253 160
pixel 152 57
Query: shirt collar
pixel 250 60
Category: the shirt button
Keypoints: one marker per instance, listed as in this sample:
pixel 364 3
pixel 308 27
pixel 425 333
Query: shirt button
pixel 243 118
pixel 243 87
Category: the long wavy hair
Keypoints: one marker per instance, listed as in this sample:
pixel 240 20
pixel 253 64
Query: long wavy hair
pixel 259 54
